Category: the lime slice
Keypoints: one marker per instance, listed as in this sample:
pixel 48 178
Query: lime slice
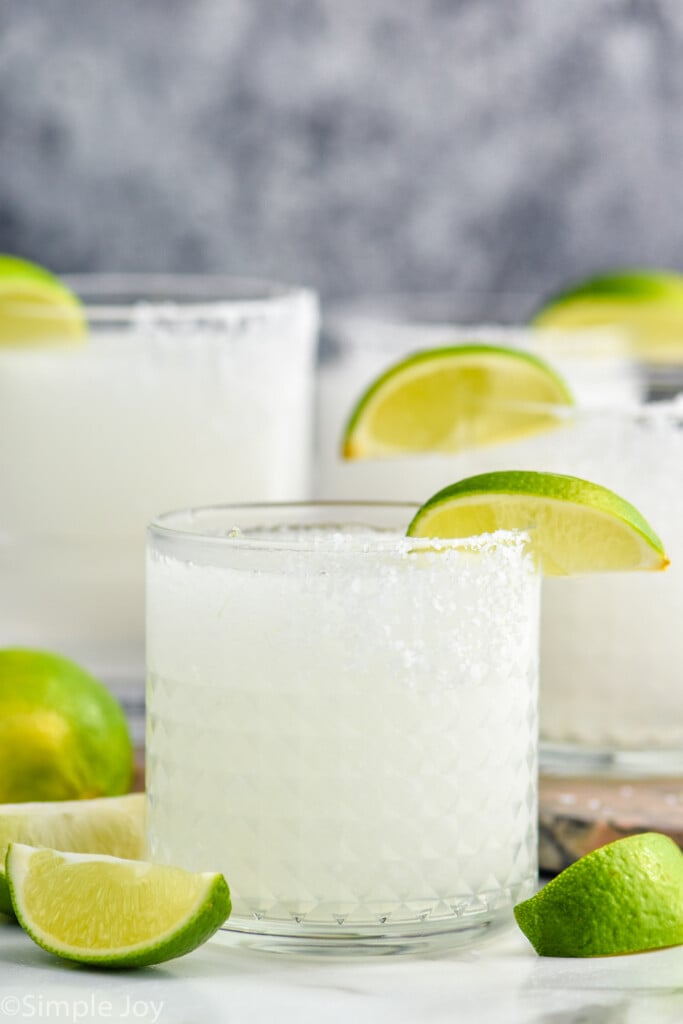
pixel 579 526
pixel 113 912
pixel 35 307
pixel 113 825
pixel 625 897
pixel 646 303
pixel 447 399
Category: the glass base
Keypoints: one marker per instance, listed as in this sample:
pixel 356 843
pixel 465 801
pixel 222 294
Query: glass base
pixel 399 940
pixel 568 759
pixel 477 918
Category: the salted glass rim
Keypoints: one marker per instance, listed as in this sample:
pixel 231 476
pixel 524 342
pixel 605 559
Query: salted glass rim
pixel 386 539
pixel 130 296
pixel 368 328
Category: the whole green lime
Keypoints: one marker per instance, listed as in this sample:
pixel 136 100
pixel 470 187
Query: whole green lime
pixel 63 736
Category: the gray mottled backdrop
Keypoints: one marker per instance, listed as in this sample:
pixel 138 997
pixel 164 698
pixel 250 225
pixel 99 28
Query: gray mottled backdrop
pixel 356 145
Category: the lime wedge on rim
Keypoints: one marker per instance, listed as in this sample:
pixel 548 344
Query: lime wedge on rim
pixel 648 304
pixel 36 308
pixel 113 825
pixel 579 526
pixel 113 912
pixel 447 399
pixel 625 897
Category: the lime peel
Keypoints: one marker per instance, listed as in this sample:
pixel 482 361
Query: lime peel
pixel 625 897
pixel 110 911
pixel 63 735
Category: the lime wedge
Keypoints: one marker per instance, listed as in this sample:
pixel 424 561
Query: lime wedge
pixel 35 307
pixel 579 526
pixel 114 825
pixel 647 304
pixel 625 897
pixel 113 912
pixel 447 399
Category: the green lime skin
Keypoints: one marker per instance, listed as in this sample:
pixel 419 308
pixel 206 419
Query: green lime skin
pixel 63 736
pixel 629 286
pixel 555 486
pixel 191 931
pixel 625 897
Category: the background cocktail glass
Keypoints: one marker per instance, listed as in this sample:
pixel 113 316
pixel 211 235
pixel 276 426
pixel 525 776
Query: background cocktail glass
pixel 343 720
pixel 186 390
pixel 611 645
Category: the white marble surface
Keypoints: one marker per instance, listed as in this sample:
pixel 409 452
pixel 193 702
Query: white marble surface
pixel 500 980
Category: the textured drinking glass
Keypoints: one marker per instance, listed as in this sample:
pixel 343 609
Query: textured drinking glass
pixel 187 390
pixel 343 720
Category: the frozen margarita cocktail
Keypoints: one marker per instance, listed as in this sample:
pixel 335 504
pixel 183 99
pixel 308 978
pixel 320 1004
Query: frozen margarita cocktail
pixel 610 644
pixel 152 393
pixel 343 719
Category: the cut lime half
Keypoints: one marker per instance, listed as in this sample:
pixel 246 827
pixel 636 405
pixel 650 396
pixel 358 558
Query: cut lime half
pixel 579 526
pixel 625 897
pixel 114 825
pixel 447 399
pixel 113 912
pixel 36 308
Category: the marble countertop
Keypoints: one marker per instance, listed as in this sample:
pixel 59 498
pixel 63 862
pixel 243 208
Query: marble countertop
pixel 500 980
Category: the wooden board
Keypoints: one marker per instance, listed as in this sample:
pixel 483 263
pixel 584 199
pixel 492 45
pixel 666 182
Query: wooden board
pixel 579 814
